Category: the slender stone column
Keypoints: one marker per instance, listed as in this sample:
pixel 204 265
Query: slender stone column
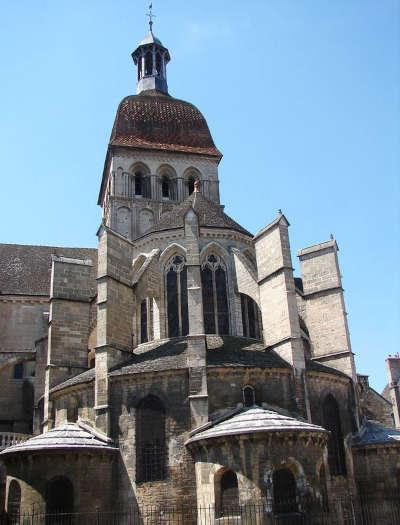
pixel 198 396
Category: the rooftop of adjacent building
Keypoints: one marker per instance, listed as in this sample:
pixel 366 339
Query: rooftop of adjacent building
pixel 26 269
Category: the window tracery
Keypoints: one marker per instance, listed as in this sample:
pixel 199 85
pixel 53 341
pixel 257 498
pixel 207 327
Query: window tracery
pixel 177 305
pixel 215 298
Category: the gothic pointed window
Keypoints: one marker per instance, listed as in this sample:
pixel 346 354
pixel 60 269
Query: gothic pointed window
pixel 251 318
pixel 215 298
pixel 284 490
pixel 165 187
pixel 177 305
pixel 150 440
pixel 336 453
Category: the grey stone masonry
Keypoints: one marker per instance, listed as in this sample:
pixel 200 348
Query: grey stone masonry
pixel 393 368
pixel 278 304
pixel 277 292
pixel 198 397
pixel 326 316
pixel 115 304
pixel 70 296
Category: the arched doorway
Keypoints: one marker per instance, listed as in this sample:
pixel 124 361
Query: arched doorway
pixel 59 496
pixel 229 502
pixel 284 490
pixel 14 499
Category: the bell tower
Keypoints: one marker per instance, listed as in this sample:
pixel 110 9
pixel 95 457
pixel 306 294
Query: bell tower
pixel 151 59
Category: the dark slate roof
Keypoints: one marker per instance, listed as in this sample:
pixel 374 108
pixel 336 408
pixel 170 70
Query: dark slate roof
pixel 84 377
pixel 67 437
pixel 155 120
pixel 25 269
pixel 255 420
pixel 163 355
pixel 319 367
pixel 170 354
pixel 373 433
pixel 240 351
pixel 209 213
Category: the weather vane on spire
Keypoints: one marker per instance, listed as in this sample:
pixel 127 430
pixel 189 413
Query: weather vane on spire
pixel 151 16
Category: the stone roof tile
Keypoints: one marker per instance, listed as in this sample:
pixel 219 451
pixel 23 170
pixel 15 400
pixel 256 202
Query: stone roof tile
pixel 315 366
pixel 256 420
pixel 70 436
pixel 240 351
pixel 373 433
pixel 209 213
pixel 26 269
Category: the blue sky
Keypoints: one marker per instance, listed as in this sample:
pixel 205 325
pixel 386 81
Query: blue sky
pixel 301 96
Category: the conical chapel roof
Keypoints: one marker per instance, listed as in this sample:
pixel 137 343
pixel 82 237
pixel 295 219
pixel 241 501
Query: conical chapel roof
pixel 256 420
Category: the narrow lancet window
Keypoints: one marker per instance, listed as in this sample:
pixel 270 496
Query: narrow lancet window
pixel 177 305
pixel 143 322
pixel 336 453
pixel 150 440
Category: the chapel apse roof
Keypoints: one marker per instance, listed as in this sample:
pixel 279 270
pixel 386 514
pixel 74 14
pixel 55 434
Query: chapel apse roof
pixel 26 269
pixel 157 121
pixel 67 437
pixel 170 354
pixel 373 433
pixel 209 213
pixel 255 420
pixel 314 366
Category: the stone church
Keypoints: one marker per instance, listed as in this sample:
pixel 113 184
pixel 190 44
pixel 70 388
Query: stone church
pixel 181 364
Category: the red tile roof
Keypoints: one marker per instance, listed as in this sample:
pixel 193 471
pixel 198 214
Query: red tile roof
pixel 154 120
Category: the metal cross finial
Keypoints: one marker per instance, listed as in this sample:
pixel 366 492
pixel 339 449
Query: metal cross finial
pixel 151 16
